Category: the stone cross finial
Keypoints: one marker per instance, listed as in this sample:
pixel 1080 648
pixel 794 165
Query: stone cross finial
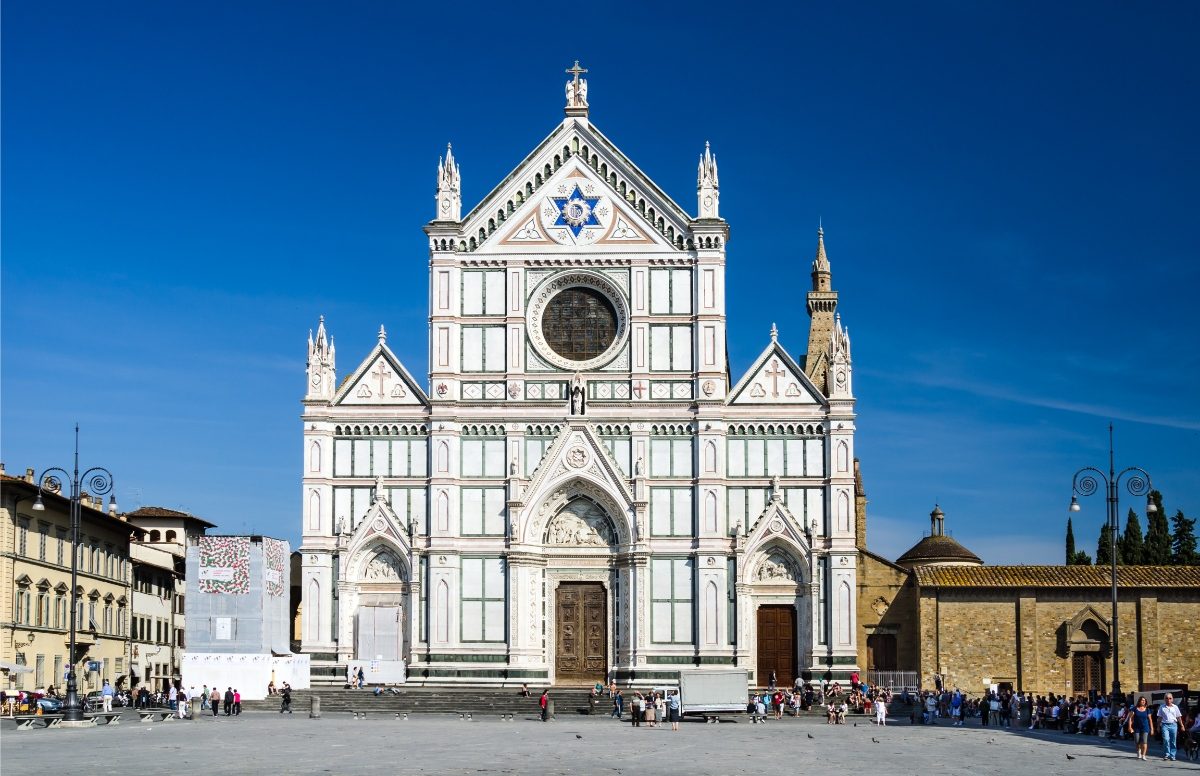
pixel 577 103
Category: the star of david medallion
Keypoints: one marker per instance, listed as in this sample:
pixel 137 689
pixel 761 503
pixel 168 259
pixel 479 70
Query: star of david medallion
pixel 575 211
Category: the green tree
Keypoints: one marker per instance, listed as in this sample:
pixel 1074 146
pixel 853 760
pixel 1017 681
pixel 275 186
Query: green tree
pixel 1157 549
pixel 1104 546
pixel 1070 544
pixel 1080 558
pixel 1183 541
pixel 1130 544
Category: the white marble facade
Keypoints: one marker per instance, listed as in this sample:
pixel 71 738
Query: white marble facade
pixel 579 425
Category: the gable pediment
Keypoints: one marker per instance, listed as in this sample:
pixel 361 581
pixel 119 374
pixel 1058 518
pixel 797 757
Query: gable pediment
pixel 617 205
pixel 775 378
pixel 379 524
pixel 380 380
pixel 776 525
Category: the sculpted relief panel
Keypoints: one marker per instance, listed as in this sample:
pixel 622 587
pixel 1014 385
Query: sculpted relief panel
pixel 581 523
pixel 777 568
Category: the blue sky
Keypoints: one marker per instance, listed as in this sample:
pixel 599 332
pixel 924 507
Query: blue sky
pixel 1008 192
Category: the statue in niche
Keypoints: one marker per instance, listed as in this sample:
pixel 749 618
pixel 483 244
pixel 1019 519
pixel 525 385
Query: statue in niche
pixel 581 523
pixel 341 526
pixel 577 405
pixel 384 567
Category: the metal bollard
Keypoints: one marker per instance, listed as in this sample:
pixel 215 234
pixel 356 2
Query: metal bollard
pixel 195 709
pixel 314 709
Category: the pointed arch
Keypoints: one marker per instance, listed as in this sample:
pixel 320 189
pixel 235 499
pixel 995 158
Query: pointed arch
pixel 843 512
pixel 314 456
pixel 441 612
pixel 711 607
pixel 710 456
pixel 843 456
pixel 443 511
pixel 443 456
pixel 844 613
pixel 710 511
pixel 312 611
pixel 314 510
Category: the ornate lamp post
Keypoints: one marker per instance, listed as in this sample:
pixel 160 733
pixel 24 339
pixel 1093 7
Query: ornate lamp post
pixel 1086 482
pixel 99 482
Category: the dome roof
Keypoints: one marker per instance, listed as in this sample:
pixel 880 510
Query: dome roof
pixel 937 548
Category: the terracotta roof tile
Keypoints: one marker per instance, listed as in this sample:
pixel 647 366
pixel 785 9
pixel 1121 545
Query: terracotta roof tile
pixel 938 548
pixel 1057 576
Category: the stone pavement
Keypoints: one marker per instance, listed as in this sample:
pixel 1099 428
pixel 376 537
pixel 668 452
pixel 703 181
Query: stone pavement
pixel 267 743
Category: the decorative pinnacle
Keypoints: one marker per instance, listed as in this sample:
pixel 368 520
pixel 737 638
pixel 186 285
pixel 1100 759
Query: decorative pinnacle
pixel 821 262
pixel 774 333
pixel 382 334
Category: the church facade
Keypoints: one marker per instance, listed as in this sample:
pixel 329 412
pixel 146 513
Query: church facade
pixel 582 489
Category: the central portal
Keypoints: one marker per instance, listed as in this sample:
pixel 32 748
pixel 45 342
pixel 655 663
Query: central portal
pixel 582 633
pixel 777 644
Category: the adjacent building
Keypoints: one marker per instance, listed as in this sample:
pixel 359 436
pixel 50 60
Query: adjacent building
pixel 35 589
pixel 239 616
pixel 583 488
pixel 939 614
pixel 159 593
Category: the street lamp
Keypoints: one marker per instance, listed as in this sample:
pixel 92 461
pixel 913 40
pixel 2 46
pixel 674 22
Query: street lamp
pixel 1086 482
pixel 99 482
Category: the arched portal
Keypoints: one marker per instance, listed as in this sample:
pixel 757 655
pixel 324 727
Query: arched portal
pixel 380 596
pixel 581 537
pixel 782 613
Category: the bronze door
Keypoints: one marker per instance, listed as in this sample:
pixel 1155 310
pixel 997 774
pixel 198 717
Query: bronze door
pixel 581 633
pixel 777 644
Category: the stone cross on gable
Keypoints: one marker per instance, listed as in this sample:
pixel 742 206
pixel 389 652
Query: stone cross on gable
pixel 576 88
pixel 381 373
pixel 775 373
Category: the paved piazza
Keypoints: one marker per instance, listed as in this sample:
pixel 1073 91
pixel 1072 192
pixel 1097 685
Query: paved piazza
pixel 264 742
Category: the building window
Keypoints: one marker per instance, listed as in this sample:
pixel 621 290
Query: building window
pixel 670 511
pixel 483 349
pixel 119 665
pixel 535 450
pixel 21 615
pixel 482 457
pixel 61 535
pixel 92 623
pixel 670 292
pixel 43 535
pixel 108 618
pixel 380 457
pixel 179 637
pixel 483 594
pixel 671 600
pixel 60 611
pixel 58 670
pixel 170 536
pixel 671 348
pixel 42 618
pixel 620 448
pixel 760 457
pixel 671 457
pixel 122 620
pixel 155 536
pixel 22 534
pixel 483 292
pixel 482 511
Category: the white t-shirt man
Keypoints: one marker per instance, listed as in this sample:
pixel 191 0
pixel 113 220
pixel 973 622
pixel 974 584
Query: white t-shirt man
pixel 880 712
pixel 182 702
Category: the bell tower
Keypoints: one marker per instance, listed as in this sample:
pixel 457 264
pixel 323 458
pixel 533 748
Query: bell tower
pixel 822 305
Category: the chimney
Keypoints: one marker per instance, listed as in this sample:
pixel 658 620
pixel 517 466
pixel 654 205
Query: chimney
pixel 1 467
pixel 29 475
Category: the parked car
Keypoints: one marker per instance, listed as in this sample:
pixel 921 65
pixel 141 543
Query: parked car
pixel 50 705
pixel 93 701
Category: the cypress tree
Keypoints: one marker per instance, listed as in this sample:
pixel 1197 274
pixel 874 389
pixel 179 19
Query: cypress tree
pixel 1130 545
pixel 1183 541
pixel 1104 546
pixel 1070 543
pixel 1157 550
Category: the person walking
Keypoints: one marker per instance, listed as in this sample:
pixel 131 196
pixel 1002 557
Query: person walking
pixel 1141 724
pixel 214 700
pixel 204 699
pixel 362 678
pixel 181 702
pixel 673 709
pixel 287 699
pixel 544 704
pixel 1168 722
pixel 618 703
pixel 228 701
pixel 237 703
pixel 107 694
pixel 636 708
pixel 880 712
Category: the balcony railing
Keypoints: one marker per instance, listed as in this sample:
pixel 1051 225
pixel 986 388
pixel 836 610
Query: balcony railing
pixel 897 681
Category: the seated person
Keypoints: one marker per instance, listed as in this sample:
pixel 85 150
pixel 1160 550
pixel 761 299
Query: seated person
pixel 831 714
pixel 841 713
